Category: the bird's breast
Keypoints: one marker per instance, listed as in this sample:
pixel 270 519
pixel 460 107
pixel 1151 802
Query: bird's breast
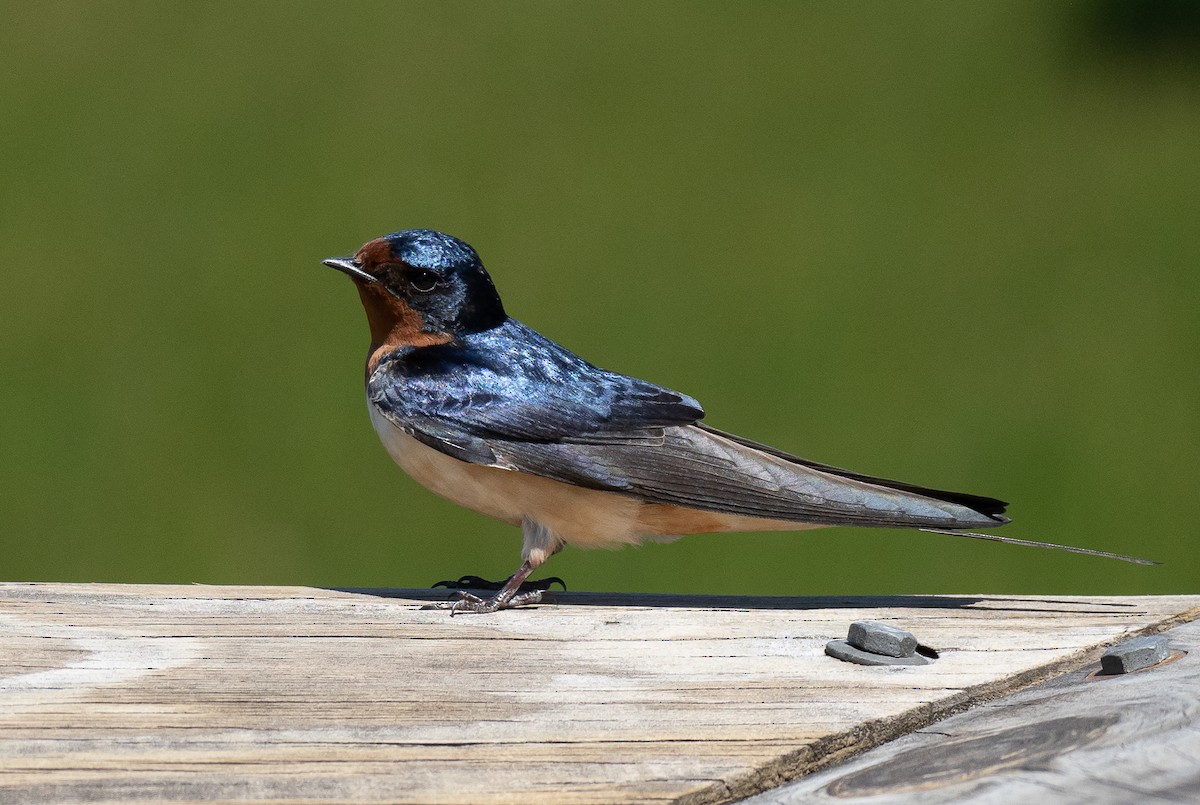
pixel 583 517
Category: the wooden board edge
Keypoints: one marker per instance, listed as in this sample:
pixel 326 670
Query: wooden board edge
pixel 835 749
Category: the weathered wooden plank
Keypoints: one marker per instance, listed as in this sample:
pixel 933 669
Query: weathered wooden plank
pixel 1076 739
pixel 194 693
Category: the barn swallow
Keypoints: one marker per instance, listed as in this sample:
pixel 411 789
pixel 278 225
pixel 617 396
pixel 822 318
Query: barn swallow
pixel 486 412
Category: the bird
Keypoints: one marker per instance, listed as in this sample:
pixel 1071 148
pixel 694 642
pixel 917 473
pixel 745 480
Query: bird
pixel 493 416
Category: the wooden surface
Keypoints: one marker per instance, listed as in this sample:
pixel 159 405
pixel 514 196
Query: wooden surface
pixel 1076 739
pixel 195 693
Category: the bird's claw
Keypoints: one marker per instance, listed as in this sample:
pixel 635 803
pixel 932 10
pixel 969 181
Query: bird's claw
pixel 514 591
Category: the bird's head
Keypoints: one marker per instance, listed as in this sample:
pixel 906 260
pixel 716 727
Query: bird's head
pixel 420 288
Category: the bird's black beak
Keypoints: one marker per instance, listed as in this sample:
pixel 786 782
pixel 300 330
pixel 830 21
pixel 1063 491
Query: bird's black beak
pixel 347 266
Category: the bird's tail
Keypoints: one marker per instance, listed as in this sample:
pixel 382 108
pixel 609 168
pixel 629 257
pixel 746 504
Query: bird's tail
pixel 1033 544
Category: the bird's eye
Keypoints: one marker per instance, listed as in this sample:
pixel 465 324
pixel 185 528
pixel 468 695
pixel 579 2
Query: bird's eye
pixel 422 281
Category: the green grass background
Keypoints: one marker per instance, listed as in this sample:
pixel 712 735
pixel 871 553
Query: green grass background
pixel 955 244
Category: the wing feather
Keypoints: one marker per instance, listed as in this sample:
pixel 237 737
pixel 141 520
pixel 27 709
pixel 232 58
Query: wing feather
pixel 697 468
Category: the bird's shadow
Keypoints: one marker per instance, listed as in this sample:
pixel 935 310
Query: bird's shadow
pixel 739 602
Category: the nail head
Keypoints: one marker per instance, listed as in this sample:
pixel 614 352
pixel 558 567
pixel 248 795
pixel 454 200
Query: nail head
pixel 879 638
pixel 1133 655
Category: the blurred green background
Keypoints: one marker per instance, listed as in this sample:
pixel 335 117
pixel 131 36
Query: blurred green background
pixel 955 244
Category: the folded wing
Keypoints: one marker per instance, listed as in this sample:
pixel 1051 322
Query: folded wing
pixel 545 411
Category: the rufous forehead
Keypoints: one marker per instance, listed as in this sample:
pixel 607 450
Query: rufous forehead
pixel 374 252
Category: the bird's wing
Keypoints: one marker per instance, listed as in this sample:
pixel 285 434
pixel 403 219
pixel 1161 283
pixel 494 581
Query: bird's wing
pixel 691 466
pixel 611 432
pixel 985 505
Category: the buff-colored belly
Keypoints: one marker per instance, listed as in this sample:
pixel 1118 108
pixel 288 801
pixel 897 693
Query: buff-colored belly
pixel 583 517
pixel 586 518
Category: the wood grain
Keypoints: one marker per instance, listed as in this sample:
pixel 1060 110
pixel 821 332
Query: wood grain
pixel 1075 739
pixel 194 693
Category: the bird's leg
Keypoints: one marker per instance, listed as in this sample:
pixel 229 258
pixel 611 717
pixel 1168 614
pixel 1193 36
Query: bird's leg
pixel 539 543
pixel 506 598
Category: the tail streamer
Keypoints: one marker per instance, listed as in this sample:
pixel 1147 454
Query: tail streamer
pixel 1033 544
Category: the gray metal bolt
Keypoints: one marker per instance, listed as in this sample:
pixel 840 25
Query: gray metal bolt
pixel 879 638
pixel 1133 655
pixel 871 643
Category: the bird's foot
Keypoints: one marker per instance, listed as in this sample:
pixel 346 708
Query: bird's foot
pixel 466 602
pixel 513 592
pixel 479 583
